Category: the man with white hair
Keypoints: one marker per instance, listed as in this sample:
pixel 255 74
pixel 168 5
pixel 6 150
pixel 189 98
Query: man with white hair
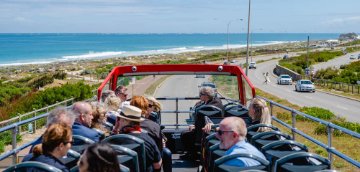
pixel 83 120
pixel 232 133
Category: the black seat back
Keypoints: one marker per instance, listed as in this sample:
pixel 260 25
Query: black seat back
pixel 24 166
pixel 80 143
pixel 265 138
pixel 221 167
pixel 131 142
pixel 212 112
pixel 127 157
pixel 301 161
pixel 253 130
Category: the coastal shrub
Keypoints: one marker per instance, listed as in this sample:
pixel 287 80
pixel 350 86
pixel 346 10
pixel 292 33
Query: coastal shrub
pixel 317 112
pixel 353 126
pixel 283 116
pixel 321 129
pixel 60 75
pixel 10 92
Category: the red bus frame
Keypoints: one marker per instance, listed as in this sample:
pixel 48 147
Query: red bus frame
pixel 193 69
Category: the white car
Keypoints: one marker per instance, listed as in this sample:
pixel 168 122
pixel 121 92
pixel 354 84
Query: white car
pixel 304 85
pixel 352 57
pixel 284 79
pixel 252 65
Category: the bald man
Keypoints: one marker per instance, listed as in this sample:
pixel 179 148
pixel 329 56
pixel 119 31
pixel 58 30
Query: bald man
pixel 232 133
pixel 83 119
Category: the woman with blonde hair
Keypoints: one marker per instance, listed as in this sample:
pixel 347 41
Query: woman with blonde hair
pixel 154 109
pixel 99 116
pixel 56 142
pixel 259 113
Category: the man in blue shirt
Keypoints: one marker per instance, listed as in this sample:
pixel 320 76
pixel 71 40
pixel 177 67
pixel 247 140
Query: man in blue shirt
pixel 83 114
pixel 232 133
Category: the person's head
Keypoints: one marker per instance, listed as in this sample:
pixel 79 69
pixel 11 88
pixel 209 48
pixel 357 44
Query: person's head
pixel 258 111
pixel 56 141
pixel 98 113
pixel 60 115
pixel 142 103
pixel 83 113
pixel 130 116
pixel 113 103
pixel 206 93
pixel 106 94
pixel 121 92
pixel 154 105
pixel 99 157
pixel 231 130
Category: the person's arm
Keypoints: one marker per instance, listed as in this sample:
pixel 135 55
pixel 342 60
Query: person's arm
pixel 157 165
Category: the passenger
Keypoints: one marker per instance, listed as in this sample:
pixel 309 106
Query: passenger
pixel 99 157
pixel 99 117
pixel 232 133
pixel 259 113
pixel 112 105
pixel 83 120
pixel 56 142
pixel 130 118
pixel 154 109
pixel 106 94
pixel 59 115
pixel 207 97
pixel 153 129
pixel 121 93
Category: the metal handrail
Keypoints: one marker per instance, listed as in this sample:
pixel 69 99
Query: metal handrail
pixel 331 150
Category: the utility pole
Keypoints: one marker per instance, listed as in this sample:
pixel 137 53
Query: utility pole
pixel 307 70
pixel 247 42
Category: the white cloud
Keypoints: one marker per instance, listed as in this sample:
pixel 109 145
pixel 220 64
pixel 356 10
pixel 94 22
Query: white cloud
pixel 336 21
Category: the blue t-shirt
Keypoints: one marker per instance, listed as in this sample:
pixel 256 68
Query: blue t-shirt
pixel 243 147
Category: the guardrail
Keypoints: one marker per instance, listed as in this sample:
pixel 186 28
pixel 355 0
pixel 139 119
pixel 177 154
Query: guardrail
pixel 350 88
pixel 330 126
pixel 15 124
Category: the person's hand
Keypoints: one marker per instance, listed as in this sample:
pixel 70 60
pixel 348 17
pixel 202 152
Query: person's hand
pixel 116 128
pixel 207 127
pixel 191 127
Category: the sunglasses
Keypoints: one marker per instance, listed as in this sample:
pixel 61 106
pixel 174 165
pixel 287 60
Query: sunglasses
pixel 202 94
pixel 220 132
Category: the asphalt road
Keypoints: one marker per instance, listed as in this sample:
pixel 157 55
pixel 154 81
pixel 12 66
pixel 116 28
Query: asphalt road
pixel 337 62
pixel 343 107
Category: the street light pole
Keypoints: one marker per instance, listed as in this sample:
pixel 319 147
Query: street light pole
pixel 247 42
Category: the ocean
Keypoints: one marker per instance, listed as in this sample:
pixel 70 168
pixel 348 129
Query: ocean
pixel 37 48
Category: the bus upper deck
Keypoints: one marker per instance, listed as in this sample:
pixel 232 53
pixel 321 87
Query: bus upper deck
pixel 235 91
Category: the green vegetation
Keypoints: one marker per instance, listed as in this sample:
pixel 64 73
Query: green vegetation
pixel 36 100
pixel 348 74
pixel 298 63
pixel 5 139
pixel 355 42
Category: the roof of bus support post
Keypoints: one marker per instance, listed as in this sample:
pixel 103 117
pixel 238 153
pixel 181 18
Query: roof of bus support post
pixel 183 69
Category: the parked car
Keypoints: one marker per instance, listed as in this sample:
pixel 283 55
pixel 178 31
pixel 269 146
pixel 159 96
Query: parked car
pixel 252 65
pixel 358 56
pixel 284 79
pixel 304 85
pixel 286 56
pixel 352 57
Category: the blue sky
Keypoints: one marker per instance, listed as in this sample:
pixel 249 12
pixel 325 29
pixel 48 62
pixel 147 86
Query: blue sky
pixel 178 16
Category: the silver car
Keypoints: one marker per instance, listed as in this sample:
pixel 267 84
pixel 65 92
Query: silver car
pixel 284 79
pixel 304 85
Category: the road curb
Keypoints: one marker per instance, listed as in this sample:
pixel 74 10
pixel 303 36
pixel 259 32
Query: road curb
pixel 338 95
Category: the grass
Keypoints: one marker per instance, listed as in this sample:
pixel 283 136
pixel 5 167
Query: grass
pixel 151 89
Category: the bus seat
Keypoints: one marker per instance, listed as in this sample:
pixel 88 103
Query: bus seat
pixel 278 149
pixel 24 166
pixel 219 165
pixel 252 130
pixel 127 157
pixel 300 162
pixel 132 143
pixel 81 143
pixel 265 138
pixel 214 153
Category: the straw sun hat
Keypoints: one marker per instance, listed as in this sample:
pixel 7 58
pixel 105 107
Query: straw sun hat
pixel 131 113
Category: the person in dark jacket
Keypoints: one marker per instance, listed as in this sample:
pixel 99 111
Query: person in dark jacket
pixel 56 142
pixel 83 113
pixel 59 115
